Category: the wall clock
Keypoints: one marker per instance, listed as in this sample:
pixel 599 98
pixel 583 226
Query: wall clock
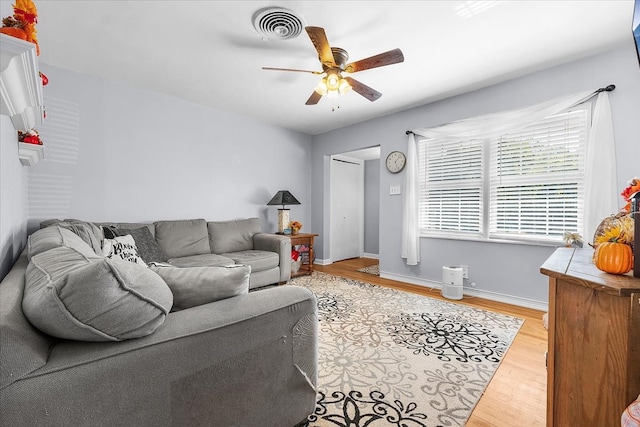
pixel 396 161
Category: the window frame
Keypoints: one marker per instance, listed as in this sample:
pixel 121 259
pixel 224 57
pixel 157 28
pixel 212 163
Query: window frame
pixel 485 234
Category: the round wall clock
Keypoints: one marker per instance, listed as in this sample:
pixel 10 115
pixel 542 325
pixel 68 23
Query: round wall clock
pixel 396 161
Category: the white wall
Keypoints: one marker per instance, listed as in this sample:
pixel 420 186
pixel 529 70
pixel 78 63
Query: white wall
pixel 120 153
pixel 13 197
pixel 499 270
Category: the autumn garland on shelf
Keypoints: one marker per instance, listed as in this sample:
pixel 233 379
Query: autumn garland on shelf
pixel 29 137
pixel 22 24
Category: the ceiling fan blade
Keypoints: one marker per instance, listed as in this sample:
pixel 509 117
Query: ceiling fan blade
pixel 320 42
pixel 314 98
pixel 364 90
pixel 387 58
pixel 291 69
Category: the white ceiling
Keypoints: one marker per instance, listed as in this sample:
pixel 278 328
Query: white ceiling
pixel 208 51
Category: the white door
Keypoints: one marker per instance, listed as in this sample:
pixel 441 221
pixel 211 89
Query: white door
pixel 347 208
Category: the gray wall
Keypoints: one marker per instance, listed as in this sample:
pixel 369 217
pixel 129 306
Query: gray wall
pixel 499 270
pixel 126 154
pixel 13 197
pixel 372 207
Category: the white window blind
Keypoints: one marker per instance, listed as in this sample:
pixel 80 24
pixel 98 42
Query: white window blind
pixel 451 187
pixel 526 185
pixel 537 179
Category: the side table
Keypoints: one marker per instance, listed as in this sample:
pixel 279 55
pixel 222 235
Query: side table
pixel 306 240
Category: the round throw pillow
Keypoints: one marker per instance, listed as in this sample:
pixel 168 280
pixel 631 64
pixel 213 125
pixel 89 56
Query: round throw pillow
pixel 70 295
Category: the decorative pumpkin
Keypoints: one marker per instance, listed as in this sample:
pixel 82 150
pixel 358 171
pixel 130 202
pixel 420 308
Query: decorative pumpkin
pixel 614 258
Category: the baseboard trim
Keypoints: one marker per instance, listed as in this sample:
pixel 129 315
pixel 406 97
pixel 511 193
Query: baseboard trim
pixel 368 255
pixel 322 261
pixel 479 293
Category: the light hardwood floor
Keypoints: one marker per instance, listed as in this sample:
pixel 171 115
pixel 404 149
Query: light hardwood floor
pixel 516 395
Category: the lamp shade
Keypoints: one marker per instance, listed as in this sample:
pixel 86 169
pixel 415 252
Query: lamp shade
pixel 283 197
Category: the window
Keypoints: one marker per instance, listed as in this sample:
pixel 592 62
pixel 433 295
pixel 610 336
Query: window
pixel 526 185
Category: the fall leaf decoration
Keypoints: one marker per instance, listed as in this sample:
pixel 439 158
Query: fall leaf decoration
pixel 632 188
pixel 22 24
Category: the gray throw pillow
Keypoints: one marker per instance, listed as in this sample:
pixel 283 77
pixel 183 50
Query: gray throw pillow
pixel 194 286
pixel 74 296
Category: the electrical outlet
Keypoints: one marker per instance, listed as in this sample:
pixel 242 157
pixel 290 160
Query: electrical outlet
pixel 465 271
pixel 394 190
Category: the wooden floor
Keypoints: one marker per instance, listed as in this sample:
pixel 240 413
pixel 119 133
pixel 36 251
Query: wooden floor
pixel 516 396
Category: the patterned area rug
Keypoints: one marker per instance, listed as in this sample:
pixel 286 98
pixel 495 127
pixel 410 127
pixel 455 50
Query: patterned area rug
pixel 372 269
pixel 393 358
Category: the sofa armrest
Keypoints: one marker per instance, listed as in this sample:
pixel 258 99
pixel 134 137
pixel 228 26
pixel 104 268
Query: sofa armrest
pixel 203 364
pixel 276 243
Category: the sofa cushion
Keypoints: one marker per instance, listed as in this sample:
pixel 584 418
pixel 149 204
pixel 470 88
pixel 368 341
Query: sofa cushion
pixel 258 260
pixel 123 248
pixel 87 231
pixel 201 285
pixel 183 237
pixel 90 298
pixel 232 236
pixel 148 248
pixel 204 260
pixel 52 237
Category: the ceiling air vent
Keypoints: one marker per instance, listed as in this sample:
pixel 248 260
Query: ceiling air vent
pixel 278 23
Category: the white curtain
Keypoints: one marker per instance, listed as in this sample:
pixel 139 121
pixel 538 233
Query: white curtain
pixel 601 197
pixel 601 182
pixel 410 227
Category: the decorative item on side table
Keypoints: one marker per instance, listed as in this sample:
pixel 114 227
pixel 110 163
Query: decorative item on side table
pixel 614 239
pixel 283 197
pixel 573 240
pixel 295 227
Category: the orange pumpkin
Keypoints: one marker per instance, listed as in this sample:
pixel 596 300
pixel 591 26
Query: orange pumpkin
pixel 614 258
pixel 14 32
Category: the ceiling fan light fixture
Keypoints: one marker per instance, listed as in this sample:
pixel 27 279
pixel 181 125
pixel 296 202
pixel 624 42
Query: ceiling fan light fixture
pixel 322 87
pixel 333 80
pixel 344 87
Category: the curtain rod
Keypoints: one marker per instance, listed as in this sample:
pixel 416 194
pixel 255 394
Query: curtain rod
pixel 609 88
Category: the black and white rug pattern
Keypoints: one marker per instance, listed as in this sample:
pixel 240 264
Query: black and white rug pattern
pixel 393 358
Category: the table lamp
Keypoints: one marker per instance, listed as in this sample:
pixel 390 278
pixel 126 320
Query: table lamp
pixel 283 197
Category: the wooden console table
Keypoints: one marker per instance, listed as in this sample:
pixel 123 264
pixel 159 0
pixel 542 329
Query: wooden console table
pixel 593 364
pixel 304 239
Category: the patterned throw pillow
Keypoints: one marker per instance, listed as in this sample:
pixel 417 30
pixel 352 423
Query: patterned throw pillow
pixel 122 247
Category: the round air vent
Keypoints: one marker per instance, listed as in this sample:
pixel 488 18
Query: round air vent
pixel 278 23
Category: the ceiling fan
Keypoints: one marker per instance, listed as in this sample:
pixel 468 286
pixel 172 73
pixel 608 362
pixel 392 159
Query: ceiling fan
pixel 334 63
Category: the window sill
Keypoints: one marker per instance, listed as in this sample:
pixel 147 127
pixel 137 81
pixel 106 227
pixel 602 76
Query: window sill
pixel 500 241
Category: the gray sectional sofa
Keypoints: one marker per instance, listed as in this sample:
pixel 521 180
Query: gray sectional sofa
pixel 93 340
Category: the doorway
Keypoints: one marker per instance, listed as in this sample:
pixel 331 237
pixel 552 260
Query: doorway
pixel 361 238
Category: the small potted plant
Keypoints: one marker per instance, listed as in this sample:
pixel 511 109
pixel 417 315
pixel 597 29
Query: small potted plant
pixel 295 227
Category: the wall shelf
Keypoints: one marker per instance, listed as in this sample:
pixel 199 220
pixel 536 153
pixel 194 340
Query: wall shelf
pixel 30 154
pixel 20 83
